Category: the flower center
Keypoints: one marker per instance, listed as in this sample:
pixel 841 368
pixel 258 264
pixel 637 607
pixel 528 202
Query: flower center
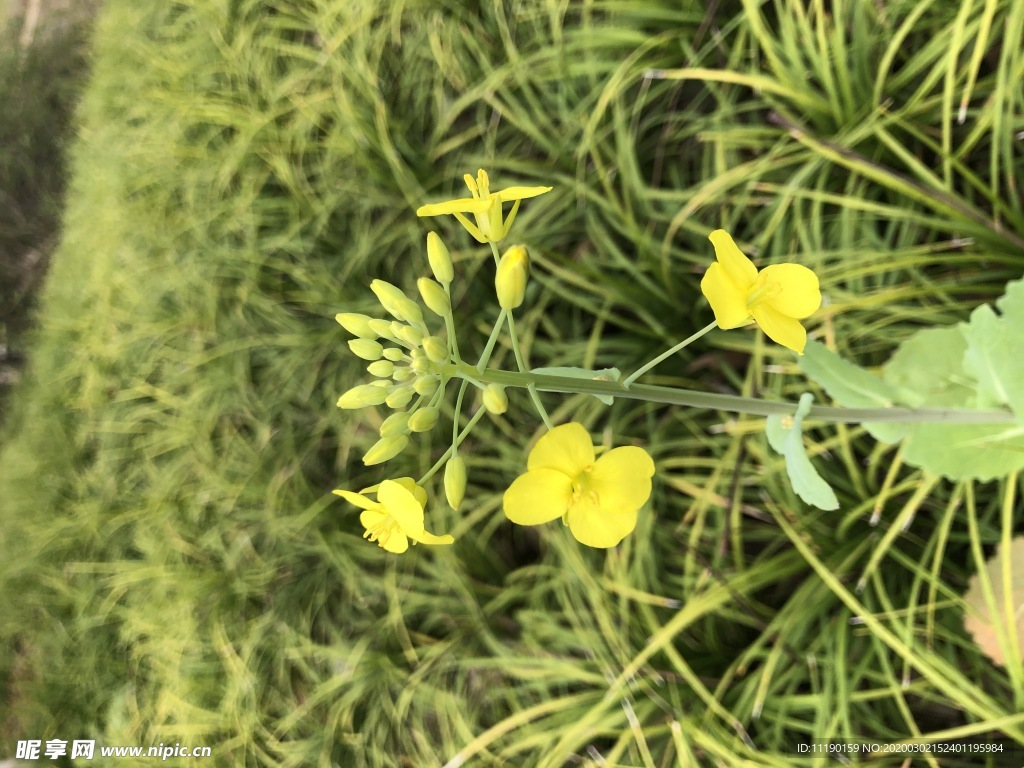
pixel 381 530
pixel 762 292
pixel 582 488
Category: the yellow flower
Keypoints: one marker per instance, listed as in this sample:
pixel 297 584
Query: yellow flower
pixel 486 207
pixel 597 499
pixel 776 297
pixel 396 516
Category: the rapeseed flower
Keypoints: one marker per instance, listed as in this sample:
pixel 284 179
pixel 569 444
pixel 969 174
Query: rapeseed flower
pixel 486 207
pixel 396 516
pixel 776 298
pixel 598 498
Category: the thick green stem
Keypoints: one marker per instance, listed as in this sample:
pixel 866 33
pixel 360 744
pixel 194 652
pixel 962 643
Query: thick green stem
pixel 730 403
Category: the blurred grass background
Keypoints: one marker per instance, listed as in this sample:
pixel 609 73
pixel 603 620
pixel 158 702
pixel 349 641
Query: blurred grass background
pixel 174 567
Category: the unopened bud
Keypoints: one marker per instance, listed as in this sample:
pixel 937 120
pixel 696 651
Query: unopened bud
pixel 423 420
pixel 366 349
pixel 439 258
pixel 406 333
pixel 510 279
pixel 381 327
pixel 395 424
pixel 403 374
pixel 420 362
pixel 434 296
pixel 399 397
pixel 356 324
pixel 435 349
pixel 495 399
pixel 455 481
pixel 425 384
pixel 385 448
pixel 382 368
pixel 396 303
pixel 363 396
pixel 394 354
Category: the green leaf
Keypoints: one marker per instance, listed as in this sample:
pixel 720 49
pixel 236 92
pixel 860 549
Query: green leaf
pixel 1000 373
pixel 785 435
pixel 852 386
pixel 928 370
pixel 605 374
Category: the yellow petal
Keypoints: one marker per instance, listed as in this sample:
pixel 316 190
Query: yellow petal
pixel 539 496
pixel 428 538
pixel 622 478
pixel 728 302
pixel 566 448
pixel 781 329
pixel 354 498
pixel 470 227
pixel 800 296
pixel 463 205
pixel 740 269
pixel 402 507
pixel 372 517
pixel 596 526
pixel 410 485
pixel 396 542
pixel 521 193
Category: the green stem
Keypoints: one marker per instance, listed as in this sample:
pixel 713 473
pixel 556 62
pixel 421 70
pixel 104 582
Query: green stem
pixel 453 448
pixel 449 324
pixel 730 403
pixel 530 387
pixel 482 363
pixel 665 355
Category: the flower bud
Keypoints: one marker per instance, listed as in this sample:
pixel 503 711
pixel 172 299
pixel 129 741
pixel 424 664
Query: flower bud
pixel 366 349
pixel 437 350
pixel 423 420
pixel 356 324
pixel 439 258
pixel 403 374
pixel 382 368
pixel 381 327
pixel 495 399
pixel 394 354
pixel 395 424
pixel 407 333
pixel 425 384
pixel 420 362
pixel 396 303
pixel 455 481
pixel 399 397
pixel 510 279
pixel 434 296
pixel 362 396
pixel 385 448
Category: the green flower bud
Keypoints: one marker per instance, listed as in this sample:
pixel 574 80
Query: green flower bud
pixel 495 399
pixel 396 303
pixel 382 368
pixel 510 279
pixel 381 327
pixel 434 296
pixel 362 396
pixel 400 397
pixel 407 333
pixel 425 384
pixel 394 354
pixel 455 481
pixel 366 349
pixel 439 258
pixel 385 448
pixel 357 325
pixel 395 424
pixel 420 362
pixel 423 420
pixel 403 374
pixel 437 350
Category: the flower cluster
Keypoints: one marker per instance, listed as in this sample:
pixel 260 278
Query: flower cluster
pixel 596 492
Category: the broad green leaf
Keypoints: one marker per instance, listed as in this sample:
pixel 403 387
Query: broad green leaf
pixel 999 372
pixel 981 621
pixel 852 386
pixel 606 374
pixel 1011 304
pixel 785 435
pixel 928 370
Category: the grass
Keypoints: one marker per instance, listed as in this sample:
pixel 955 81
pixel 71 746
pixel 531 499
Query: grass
pixel 175 567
